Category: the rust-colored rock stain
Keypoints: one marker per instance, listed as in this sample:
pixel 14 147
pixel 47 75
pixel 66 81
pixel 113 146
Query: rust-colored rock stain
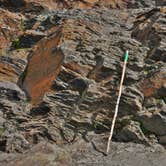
pixel 44 65
pixel 8 73
pixel 151 85
pixel 82 70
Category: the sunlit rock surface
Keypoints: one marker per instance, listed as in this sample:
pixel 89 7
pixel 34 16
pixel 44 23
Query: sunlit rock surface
pixel 59 78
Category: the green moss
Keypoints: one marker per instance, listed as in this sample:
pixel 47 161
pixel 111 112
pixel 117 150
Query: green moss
pixel 27 100
pixel 144 130
pixel 98 125
pixel 145 72
pixel 1 131
pixel 16 43
pixel 160 99
pixel 123 122
pixel 22 25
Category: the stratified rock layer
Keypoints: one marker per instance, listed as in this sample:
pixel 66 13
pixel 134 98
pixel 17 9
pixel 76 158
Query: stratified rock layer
pixel 54 89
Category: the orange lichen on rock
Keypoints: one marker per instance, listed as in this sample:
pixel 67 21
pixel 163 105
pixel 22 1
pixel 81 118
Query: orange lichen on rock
pixel 8 73
pixel 44 65
pixel 83 70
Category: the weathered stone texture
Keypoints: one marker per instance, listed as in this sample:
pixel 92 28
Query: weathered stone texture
pixel 59 79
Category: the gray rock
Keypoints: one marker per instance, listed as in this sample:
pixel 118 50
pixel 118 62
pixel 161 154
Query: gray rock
pixel 155 123
pixel 160 2
pixel 87 34
pixel 11 91
pixel 162 139
pixel 131 101
pixel 16 143
pixel 121 154
pixel 43 154
pixel 132 133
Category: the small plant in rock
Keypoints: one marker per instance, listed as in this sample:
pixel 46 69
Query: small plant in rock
pixel 22 25
pixel 97 125
pixel 145 72
pixel 27 100
pixel 16 43
pixel 1 131
pixel 144 130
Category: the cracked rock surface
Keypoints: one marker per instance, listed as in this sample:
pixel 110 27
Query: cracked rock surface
pixel 60 69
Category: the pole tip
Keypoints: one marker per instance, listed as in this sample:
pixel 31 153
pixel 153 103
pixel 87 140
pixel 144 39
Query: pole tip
pixel 126 55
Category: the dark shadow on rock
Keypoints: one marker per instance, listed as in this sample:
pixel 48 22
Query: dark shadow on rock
pixel 21 6
pixel 40 110
pixel 25 41
pixel 3 145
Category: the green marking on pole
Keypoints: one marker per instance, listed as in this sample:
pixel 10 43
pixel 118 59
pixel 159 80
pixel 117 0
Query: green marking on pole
pixel 126 56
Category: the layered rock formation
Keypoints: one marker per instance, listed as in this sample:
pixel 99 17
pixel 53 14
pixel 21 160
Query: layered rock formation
pixel 31 6
pixel 59 77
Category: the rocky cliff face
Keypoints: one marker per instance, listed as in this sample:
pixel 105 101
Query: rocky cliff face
pixel 59 78
pixel 32 6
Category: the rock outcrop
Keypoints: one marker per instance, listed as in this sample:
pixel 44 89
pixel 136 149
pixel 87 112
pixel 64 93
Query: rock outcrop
pixel 81 4
pixel 59 77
